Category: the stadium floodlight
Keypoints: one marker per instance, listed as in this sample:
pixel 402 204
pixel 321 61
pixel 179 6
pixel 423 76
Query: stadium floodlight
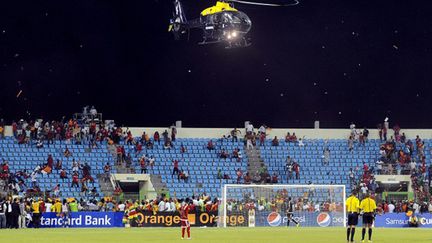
pixel 267 205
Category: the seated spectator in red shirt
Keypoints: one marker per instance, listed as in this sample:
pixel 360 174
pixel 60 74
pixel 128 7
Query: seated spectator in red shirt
pixel 274 179
pixel 75 180
pixel 275 141
pixel 138 148
pixel 292 138
pixel 262 137
pixel 210 145
pixel 235 153
pixel 287 137
pixel 223 154
pixel 129 138
pixel 5 167
pixel 63 174
pixel 184 176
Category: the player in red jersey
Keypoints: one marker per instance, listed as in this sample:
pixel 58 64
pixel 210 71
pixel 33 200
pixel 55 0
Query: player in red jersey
pixel 184 222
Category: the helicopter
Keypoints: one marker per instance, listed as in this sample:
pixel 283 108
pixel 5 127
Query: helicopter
pixel 221 23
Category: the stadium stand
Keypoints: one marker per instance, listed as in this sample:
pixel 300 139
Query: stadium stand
pixel 201 164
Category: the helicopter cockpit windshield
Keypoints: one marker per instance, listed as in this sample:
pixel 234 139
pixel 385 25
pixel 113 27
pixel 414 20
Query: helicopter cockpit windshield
pixel 236 20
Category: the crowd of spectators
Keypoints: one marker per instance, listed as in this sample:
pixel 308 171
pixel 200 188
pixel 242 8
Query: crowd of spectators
pixel 21 212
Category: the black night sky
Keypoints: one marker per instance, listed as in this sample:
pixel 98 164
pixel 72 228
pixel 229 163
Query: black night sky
pixel 335 61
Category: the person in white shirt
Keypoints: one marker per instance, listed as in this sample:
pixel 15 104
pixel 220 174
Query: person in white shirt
pixel 229 207
pixel 249 128
pixel 416 208
pixel 317 207
pixel 379 166
pixel 121 206
pixel 300 143
pixel 391 207
pixel 48 205
pixel 168 207
pixel 262 129
pixel 161 206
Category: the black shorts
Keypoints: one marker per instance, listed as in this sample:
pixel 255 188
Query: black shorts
pixel 352 219
pixel 368 218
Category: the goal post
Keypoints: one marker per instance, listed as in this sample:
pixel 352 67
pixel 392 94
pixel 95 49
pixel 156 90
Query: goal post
pixel 267 205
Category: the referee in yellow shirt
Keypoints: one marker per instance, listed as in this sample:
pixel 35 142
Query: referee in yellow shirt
pixel 352 208
pixel 368 206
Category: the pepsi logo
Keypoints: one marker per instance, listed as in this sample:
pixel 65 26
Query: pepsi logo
pixel 274 219
pixel 323 219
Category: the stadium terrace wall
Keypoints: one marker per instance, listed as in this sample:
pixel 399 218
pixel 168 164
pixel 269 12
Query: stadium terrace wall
pixel 279 132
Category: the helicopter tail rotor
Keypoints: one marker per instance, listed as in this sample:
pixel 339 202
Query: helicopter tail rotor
pixel 178 24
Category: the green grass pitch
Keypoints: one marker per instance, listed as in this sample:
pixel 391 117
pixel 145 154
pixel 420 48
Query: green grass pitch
pixel 216 235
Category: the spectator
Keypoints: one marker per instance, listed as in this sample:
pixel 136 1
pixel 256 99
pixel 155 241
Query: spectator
pixel 59 164
pixel 67 153
pixel 379 166
pixel 168 144
pixel 262 137
pixel 182 149
pixel 56 190
pixel 75 180
pixel 210 145
pixel 362 139
pixel 300 142
pixel 249 129
pixel 63 174
pixel 22 215
pixel 247 179
pixel 156 137
pixel 84 189
pixel 138 149
pixel 149 144
pixel 15 213
pixel 223 154
pixel 173 133
pixel 151 161
pixel 274 179
pixel 107 171
pixel 165 135
pixel 275 141
pixel 326 156
pixel 219 174
pixel 287 137
pixel 351 143
pixel 239 174
pixel 39 144
pixel 296 168
pixel 234 134
pixel 143 165
pixel 176 170
pixel 365 134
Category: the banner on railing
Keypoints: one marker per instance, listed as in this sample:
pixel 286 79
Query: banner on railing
pixel 172 219
pixel 83 220
pixel 308 219
pixel 398 220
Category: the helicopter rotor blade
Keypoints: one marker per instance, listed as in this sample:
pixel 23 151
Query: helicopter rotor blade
pixel 293 3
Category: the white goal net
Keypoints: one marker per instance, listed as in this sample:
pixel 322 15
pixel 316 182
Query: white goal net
pixel 282 205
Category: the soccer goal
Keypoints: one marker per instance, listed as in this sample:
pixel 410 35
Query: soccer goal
pixel 282 205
